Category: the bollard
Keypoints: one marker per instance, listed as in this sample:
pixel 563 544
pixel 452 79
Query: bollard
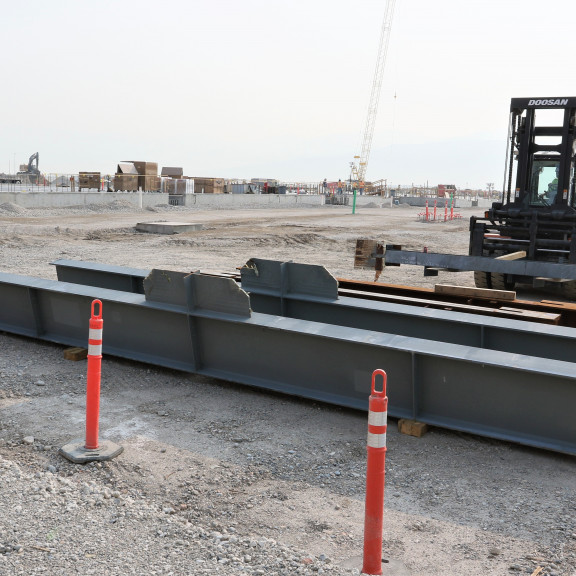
pixel 90 449
pixel 375 471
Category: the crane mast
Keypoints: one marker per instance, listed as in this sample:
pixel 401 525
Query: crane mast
pixel 359 169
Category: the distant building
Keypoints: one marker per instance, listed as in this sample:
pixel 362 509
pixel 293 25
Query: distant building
pixel 446 190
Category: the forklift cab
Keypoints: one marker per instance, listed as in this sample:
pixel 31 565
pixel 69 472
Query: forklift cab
pixel 543 186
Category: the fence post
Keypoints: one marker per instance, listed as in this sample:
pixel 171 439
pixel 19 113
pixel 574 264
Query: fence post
pixel 375 476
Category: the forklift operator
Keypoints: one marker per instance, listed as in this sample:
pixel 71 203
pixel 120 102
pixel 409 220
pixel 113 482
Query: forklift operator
pixel 553 187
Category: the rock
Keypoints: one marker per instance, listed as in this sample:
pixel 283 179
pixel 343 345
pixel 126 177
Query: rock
pixel 28 440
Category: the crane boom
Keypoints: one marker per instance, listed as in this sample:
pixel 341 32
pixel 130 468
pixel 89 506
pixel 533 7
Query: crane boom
pixel 360 170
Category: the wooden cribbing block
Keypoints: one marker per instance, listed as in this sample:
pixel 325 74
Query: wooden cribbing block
pixel 512 256
pixel 468 292
pixel 75 354
pixel 412 427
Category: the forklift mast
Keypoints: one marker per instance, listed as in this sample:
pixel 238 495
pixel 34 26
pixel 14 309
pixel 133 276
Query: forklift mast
pixel 542 134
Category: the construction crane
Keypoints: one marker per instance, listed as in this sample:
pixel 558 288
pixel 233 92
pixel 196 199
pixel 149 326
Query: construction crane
pixel 360 163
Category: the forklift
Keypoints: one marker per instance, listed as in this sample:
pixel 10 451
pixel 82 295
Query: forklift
pixel 538 215
pixel 529 237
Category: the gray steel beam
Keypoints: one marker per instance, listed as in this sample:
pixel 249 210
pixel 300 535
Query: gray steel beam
pixel 94 274
pixel 309 292
pixel 205 325
pixel 478 263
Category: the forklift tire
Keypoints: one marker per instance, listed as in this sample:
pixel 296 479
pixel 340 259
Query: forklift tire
pixel 498 282
pixel 482 279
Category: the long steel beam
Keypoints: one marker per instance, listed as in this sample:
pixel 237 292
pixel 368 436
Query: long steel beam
pixel 205 325
pixel 462 263
pixel 309 292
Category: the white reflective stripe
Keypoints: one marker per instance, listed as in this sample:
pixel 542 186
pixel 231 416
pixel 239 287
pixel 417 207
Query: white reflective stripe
pixel 95 334
pixel 94 349
pixel 376 440
pixel 377 418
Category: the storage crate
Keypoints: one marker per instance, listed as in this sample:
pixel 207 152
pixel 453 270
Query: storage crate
pixel 146 168
pixel 126 182
pixel 89 180
pixel 149 183
pixel 209 185
pixel 174 186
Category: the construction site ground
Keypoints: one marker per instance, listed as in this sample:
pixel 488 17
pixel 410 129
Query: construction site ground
pixel 217 478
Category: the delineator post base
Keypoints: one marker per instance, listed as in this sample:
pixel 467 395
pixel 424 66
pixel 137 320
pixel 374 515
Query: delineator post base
pixel 77 453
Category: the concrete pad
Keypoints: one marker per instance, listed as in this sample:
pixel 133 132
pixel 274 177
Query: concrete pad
pixel 167 227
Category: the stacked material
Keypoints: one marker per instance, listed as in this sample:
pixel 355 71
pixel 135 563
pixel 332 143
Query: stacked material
pixel 172 172
pixel 89 180
pixel 174 186
pixel 126 177
pixel 148 179
pixel 209 185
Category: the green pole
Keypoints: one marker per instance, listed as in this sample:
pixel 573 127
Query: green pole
pixel 354 203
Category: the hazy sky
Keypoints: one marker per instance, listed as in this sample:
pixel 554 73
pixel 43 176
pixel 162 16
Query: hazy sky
pixel 276 88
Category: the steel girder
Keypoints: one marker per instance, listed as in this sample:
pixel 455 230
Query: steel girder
pixel 309 292
pixel 453 262
pixel 205 325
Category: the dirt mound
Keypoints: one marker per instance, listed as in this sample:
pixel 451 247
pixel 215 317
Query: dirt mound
pixel 11 208
pixel 115 205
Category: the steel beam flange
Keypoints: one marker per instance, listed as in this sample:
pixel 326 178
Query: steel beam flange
pixel 282 279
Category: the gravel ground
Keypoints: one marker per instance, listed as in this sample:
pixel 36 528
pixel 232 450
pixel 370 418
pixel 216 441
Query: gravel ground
pixel 222 479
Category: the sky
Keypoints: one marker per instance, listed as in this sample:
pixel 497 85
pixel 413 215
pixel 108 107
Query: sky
pixel 276 88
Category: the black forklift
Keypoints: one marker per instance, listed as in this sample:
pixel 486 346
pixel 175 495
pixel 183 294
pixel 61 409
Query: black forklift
pixel 538 215
pixel 529 237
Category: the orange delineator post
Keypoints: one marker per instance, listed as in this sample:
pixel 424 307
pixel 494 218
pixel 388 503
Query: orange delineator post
pixel 93 378
pixel 435 203
pixel 427 214
pixel 452 207
pixel 375 477
pixel 89 449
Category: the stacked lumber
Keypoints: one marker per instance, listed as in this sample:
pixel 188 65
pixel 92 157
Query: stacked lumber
pixel 209 185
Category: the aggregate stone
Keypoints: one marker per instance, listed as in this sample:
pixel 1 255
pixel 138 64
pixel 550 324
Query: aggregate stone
pixel 281 481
